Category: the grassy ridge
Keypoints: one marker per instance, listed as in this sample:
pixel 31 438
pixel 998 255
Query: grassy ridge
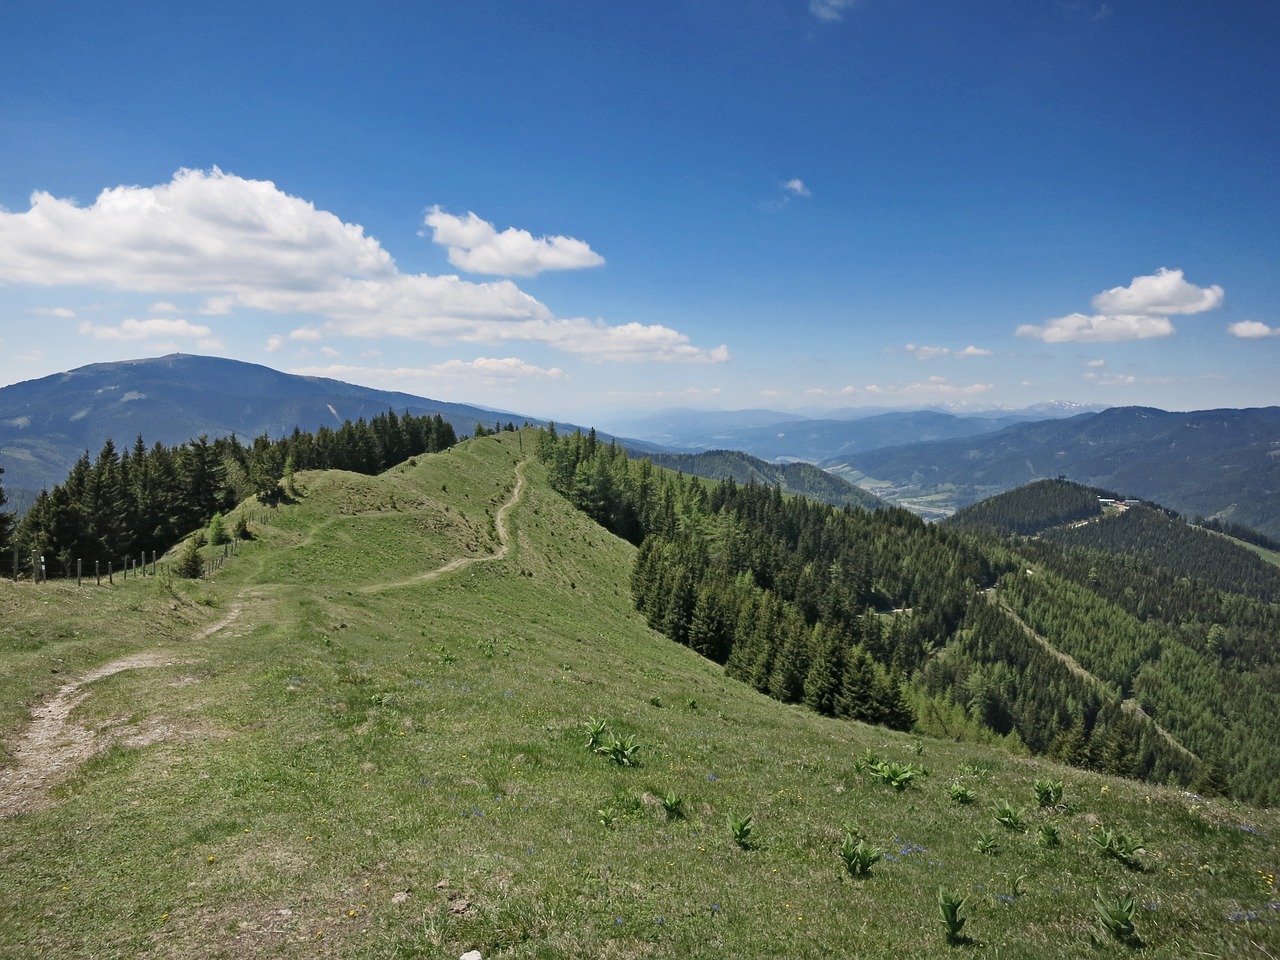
pixel 362 772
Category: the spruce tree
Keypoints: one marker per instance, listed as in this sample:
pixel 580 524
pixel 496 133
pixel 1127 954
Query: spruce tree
pixel 6 523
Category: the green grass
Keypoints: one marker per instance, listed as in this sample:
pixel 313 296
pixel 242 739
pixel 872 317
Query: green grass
pixel 357 772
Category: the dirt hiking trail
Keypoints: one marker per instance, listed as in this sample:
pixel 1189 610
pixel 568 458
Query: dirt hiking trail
pixel 53 746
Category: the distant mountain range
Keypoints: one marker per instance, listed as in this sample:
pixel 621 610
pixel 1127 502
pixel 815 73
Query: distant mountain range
pixel 772 435
pixel 46 424
pixel 1223 464
pixel 1212 463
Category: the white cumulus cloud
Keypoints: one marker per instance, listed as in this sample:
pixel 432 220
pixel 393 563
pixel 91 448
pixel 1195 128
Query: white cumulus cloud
pixel 1164 293
pixel 1252 330
pixel 1079 328
pixel 797 187
pixel 477 247
pixel 245 244
pixel 201 231
pixel 1139 311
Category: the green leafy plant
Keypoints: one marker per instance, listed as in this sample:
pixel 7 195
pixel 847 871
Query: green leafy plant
pixel 596 729
pixel 1119 846
pixel 987 844
pixel 869 759
pixel 897 775
pixel 673 804
pixel 1008 816
pixel 1015 884
pixel 1116 914
pixel 917 746
pixel 949 905
pixel 608 816
pixel 858 855
pixel 624 751
pixel 742 829
pixel 1048 792
pixel 1047 835
pixel 961 794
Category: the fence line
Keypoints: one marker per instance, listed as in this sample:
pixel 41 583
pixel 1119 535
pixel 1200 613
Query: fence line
pixel 36 570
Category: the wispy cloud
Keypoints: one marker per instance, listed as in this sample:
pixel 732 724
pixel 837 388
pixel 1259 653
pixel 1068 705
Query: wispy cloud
pixel 934 386
pixel 477 247
pixel 829 9
pixel 1139 311
pixel 922 352
pixel 152 329
pixel 479 370
pixel 788 191
pixel 1112 380
pixel 246 245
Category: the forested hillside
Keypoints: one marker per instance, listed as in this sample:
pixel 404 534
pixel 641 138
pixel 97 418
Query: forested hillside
pixel 1212 463
pixel 144 499
pixel 1168 541
pixel 801 479
pixel 1107 660
pixel 1031 508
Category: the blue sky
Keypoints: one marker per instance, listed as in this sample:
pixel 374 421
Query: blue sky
pixel 588 209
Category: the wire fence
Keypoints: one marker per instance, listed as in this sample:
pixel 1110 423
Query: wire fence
pixel 36 568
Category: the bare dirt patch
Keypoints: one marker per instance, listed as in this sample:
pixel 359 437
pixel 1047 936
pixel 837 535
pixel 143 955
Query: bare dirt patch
pixel 53 746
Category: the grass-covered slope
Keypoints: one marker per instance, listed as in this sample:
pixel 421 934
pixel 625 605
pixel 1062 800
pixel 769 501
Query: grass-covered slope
pixel 365 738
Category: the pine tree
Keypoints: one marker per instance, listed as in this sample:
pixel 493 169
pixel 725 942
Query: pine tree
pixel 6 523
pixel 822 682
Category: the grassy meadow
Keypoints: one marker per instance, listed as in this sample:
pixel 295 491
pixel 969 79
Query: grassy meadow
pixel 348 751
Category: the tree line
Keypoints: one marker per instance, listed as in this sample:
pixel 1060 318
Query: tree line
pixel 120 504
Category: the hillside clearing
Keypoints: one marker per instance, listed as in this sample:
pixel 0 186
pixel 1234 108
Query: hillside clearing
pixel 403 773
